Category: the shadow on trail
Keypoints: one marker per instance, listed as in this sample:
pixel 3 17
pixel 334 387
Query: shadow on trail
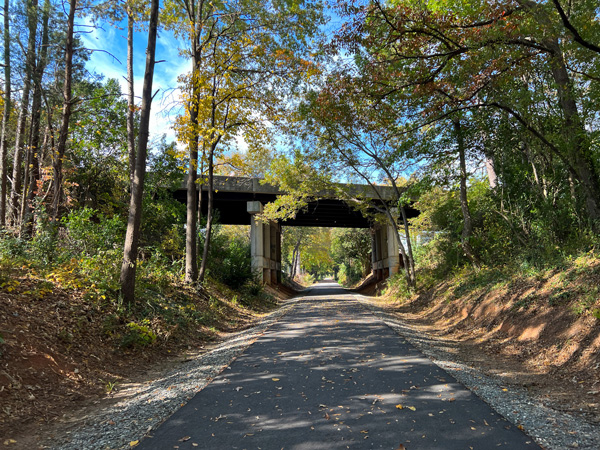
pixel 330 375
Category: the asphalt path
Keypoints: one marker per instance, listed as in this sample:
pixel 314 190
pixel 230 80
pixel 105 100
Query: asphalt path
pixel 331 375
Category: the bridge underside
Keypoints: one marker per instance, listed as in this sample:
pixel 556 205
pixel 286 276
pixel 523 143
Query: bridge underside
pixel 328 213
pixel 239 200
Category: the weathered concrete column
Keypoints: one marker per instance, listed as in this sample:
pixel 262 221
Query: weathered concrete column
pixel 266 229
pixel 376 254
pixel 275 254
pixel 265 246
pixel 384 252
pixel 393 251
pixel 257 253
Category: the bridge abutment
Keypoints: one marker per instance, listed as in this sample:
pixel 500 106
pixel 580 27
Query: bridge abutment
pixel 265 246
pixel 385 252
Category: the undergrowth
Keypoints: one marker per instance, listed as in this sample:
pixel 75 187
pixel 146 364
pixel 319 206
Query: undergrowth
pixel 82 257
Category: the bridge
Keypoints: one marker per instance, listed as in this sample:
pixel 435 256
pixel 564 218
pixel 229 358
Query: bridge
pixel 239 200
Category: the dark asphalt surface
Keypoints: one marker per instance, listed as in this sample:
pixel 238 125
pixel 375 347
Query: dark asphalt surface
pixel 330 375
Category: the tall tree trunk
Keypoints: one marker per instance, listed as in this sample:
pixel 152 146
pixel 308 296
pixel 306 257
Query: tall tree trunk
pixel 467 230
pixel 200 184
pixel 209 213
pixel 130 96
pixel 191 230
pixel 32 165
pixel 409 249
pixel 195 14
pixel 5 117
pixel 130 251
pixel 66 112
pixel 32 6
pixel 575 135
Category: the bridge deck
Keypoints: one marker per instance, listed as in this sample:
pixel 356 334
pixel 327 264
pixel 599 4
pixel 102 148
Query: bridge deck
pixel 232 193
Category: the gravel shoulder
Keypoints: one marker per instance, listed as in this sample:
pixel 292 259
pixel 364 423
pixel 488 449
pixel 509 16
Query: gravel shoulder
pixel 119 422
pixel 551 428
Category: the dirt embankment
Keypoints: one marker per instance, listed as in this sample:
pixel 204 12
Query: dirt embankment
pixel 542 331
pixel 60 351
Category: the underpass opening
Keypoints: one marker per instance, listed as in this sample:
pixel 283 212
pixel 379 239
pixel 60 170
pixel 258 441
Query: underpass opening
pixel 240 200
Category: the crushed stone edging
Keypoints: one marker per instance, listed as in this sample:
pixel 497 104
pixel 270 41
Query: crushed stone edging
pixel 551 429
pixel 148 406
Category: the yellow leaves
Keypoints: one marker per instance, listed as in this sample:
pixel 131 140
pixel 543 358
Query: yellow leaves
pixel 134 443
pixel 274 379
pixel 400 406
pixel 9 442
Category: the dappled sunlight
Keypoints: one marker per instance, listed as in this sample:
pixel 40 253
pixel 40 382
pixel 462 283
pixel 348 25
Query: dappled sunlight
pixel 329 375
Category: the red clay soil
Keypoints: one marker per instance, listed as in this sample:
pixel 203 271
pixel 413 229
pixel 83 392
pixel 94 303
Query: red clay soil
pixel 518 333
pixel 57 355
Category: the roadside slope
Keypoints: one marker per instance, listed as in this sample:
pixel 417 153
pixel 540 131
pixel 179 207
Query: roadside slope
pixel 540 330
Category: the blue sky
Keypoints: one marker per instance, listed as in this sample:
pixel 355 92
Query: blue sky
pixel 111 61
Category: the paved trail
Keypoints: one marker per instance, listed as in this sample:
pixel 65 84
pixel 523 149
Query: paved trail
pixel 330 375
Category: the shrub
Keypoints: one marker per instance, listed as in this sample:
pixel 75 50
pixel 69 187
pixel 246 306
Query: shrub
pixel 89 231
pixel 229 259
pixel 138 335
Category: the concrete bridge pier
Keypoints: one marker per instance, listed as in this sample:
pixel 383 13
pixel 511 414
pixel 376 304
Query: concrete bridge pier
pixel 385 252
pixel 265 244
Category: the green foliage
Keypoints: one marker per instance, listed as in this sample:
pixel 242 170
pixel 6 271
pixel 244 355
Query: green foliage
pixel 11 248
pixel 163 216
pixel 351 251
pixel 229 259
pixel 44 248
pixel 138 335
pixel 90 232
pixel 99 147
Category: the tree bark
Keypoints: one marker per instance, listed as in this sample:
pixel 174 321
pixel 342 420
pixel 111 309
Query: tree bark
pixel 575 135
pixel 130 251
pixel 209 213
pixel 130 96
pixel 17 179
pixel 66 112
pixel 191 230
pixel 32 164
pixel 195 14
pixel 5 117
pixel 467 230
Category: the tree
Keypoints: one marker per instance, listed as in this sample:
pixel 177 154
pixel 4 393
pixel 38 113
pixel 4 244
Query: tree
pixel 465 61
pixel 346 136
pixel 132 10
pixel 32 21
pixel 66 111
pixel 6 115
pixel 128 268
pixel 98 152
pixel 351 250
pixel 32 167
pixel 244 56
